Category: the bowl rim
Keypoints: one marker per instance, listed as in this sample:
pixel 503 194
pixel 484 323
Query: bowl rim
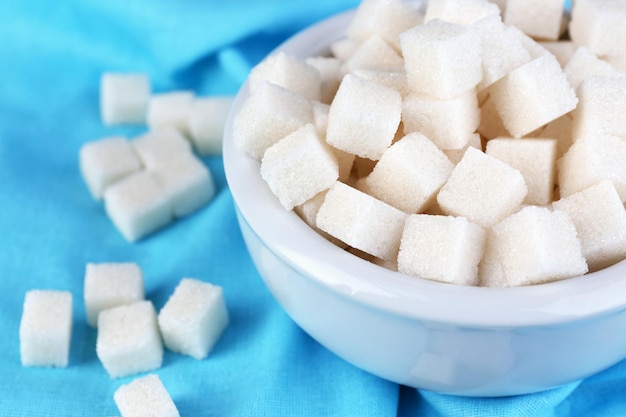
pixel 292 240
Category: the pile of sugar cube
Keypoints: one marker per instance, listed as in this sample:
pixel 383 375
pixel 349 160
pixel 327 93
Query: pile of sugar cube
pixel 466 141
pixel 155 178
pixel 131 335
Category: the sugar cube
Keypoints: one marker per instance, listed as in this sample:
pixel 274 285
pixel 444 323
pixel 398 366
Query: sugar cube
pixel 534 246
pixel 170 109
pixel 453 55
pixel 585 63
pixel 482 188
pixel 599 25
pixel 533 95
pixel 431 117
pixel 563 50
pixel 299 166
pixel 158 146
pixel 600 219
pixel 394 78
pixel 455 155
pixel 138 205
pixel 535 159
pixel 106 161
pixel 491 125
pixel 186 182
pixel 193 318
pixel 368 128
pixel 441 248
pixel 328 67
pixel 206 121
pixel 373 53
pixel 124 98
pixel 361 221
pixel 343 48
pixel 462 12
pixel 270 113
pixel 109 284
pixel 540 19
pixel 128 340
pixel 46 328
pixel 409 174
pixel 561 130
pixel 145 396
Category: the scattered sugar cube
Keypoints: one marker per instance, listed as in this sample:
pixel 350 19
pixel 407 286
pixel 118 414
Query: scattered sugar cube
pixel 145 396
pixel 290 72
pixel 361 221
pixel 432 116
pixel 385 18
pixel 585 63
pixel 193 318
pixel 186 182
pixel 111 284
pixel 368 128
pixel 535 48
pixel 561 130
pixel 601 109
pixel 533 95
pixel 563 50
pixel 207 118
pixel 328 67
pixel 535 159
pixel 409 174
pixel 453 55
pixel 617 61
pixel 46 328
pixel 394 78
pixel 268 115
pixel 536 245
pixel 138 205
pixel 491 125
pixel 308 212
pixel 599 25
pixel 373 53
pixel 299 166
pixel 600 219
pixel 540 19
pixel 128 340
pixel 455 155
pixel 343 49
pixel 483 189
pixel 124 98
pixel 462 12
pixel 320 116
pixel 590 160
pixel 157 147
pixel 170 110
pixel 441 248
pixel 106 161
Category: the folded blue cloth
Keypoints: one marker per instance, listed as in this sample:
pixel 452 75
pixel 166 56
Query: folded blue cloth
pixel 51 57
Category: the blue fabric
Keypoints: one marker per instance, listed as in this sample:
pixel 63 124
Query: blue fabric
pixel 51 57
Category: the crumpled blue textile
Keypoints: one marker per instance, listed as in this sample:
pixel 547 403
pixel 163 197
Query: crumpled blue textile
pixel 51 57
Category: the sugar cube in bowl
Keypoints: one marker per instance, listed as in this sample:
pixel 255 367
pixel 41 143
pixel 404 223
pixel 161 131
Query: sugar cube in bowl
pixel 455 339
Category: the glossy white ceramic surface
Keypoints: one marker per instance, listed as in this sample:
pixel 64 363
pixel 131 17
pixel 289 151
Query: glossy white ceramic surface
pixel 452 339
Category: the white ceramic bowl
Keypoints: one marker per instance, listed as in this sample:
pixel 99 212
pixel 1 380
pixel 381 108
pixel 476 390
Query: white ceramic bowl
pixel 451 339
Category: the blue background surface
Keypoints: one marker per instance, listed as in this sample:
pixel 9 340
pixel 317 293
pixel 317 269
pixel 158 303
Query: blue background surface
pixel 51 57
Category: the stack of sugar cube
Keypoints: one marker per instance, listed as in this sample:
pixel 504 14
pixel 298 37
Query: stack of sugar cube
pixel 462 142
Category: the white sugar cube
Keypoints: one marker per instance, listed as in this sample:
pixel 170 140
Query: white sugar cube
pixel 110 284
pixel 299 166
pixel 600 219
pixel 599 25
pixel 328 67
pixel 563 50
pixel 535 159
pixel 158 146
pixel 561 130
pixel 343 48
pixel 462 12
pixel 268 115
pixel 186 182
pixel 206 121
pixel 290 72
pixel 128 340
pixel 602 107
pixel 455 155
pixel 590 160
pixel 453 55
pixel 534 246
pixel 106 161
pixel 320 116
pixel 138 205
pixel 483 189
pixel 540 19
pixel 46 328
pixel 124 98
pixel 170 110
pixel 431 117
pixel 361 221
pixel 394 78
pixel 373 53
pixel 533 95
pixel 491 125
pixel 363 117
pixel 441 248
pixel 409 174
pixel 585 63
pixel 145 396
pixel 193 318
